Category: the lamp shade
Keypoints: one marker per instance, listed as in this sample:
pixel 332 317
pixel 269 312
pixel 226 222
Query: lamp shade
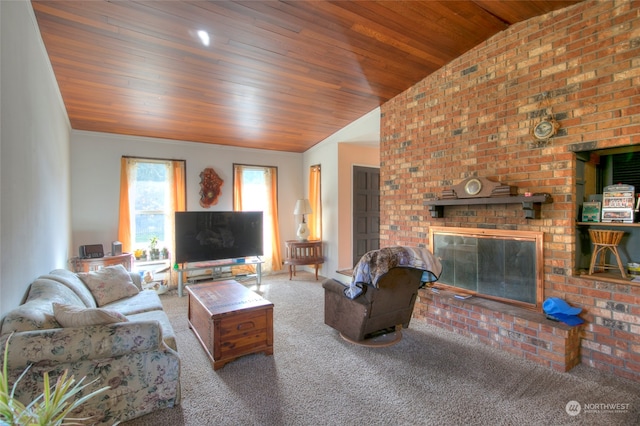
pixel 302 207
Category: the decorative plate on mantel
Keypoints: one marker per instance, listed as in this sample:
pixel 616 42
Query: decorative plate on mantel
pixel 478 187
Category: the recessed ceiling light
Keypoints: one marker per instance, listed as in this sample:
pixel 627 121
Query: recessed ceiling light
pixel 204 37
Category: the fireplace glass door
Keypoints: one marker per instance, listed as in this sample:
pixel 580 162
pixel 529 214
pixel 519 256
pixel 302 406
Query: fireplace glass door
pixel 502 265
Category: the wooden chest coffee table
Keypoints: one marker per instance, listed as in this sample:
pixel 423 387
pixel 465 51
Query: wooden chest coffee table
pixel 230 320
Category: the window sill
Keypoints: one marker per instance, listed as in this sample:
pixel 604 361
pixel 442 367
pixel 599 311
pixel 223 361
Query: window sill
pixel 610 277
pixel 607 224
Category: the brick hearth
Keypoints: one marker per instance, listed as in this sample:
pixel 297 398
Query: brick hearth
pixel 516 330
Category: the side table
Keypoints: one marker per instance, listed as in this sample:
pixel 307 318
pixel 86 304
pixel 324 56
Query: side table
pixel 95 264
pixel 303 253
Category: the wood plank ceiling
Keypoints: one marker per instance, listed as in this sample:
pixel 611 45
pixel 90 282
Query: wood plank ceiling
pixel 277 75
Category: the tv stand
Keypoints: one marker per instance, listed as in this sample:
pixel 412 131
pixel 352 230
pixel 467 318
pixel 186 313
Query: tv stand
pixel 196 266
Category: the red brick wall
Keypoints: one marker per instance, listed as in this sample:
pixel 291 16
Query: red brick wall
pixel 519 331
pixel 472 118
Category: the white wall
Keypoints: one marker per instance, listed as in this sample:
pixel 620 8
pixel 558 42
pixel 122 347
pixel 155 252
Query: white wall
pixel 34 158
pixel 365 133
pixel 95 184
pixel 325 154
pixel 95 179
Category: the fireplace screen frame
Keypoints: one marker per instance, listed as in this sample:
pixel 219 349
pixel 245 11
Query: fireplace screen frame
pixel 459 248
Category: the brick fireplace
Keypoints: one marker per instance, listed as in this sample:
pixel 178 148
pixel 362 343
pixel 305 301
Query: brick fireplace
pixel 472 118
pixel 502 269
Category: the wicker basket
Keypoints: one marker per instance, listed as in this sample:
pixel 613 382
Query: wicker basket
pixel 606 237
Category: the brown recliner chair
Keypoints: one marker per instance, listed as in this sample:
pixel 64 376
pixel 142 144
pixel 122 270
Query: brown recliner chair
pixel 376 309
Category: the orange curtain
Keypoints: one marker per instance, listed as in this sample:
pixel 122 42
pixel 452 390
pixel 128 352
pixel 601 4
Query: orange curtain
pixel 276 260
pixel 314 220
pixel 124 219
pixel 237 187
pixel 178 204
pixel 179 186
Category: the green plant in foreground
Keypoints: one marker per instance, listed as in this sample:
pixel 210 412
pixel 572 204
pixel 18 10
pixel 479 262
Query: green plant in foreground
pixel 50 408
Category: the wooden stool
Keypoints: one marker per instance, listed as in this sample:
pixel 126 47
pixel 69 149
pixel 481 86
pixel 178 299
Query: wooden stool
pixel 604 240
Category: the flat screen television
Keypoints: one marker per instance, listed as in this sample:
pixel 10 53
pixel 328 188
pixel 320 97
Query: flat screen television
pixel 203 236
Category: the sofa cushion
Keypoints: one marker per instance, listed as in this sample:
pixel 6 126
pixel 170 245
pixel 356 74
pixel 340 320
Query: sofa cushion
pixel 76 316
pixel 168 335
pixel 37 313
pixel 109 284
pixel 137 279
pixel 71 280
pixel 53 291
pixel 144 301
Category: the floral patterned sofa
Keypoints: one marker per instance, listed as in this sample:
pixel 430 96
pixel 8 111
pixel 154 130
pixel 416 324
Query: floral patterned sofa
pixel 99 325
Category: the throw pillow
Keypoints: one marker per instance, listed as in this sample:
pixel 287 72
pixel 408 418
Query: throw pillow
pixel 76 316
pixel 109 284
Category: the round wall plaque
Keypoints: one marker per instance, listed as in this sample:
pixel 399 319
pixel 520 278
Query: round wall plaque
pixel 544 130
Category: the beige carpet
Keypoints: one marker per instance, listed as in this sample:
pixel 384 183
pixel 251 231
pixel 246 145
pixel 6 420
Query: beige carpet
pixel 431 377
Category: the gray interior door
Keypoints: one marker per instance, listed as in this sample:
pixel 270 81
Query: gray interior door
pixel 366 211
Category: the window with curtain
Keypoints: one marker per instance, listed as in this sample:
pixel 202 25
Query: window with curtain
pixel 255 188
pixel 314 220
pixel 151 191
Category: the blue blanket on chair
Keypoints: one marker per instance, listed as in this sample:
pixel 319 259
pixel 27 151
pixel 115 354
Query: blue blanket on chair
pixel 376 263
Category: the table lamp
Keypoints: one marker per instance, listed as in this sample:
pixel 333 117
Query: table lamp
pixel 303 207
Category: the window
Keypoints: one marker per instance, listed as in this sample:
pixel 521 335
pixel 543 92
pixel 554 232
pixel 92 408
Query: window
pixel 150 192
pixel 255 188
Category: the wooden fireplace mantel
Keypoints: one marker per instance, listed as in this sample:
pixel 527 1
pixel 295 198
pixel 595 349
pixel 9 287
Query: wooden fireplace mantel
pixel 530 204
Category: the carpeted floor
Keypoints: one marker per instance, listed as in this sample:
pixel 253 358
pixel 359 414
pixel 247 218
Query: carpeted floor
pixel 431 377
